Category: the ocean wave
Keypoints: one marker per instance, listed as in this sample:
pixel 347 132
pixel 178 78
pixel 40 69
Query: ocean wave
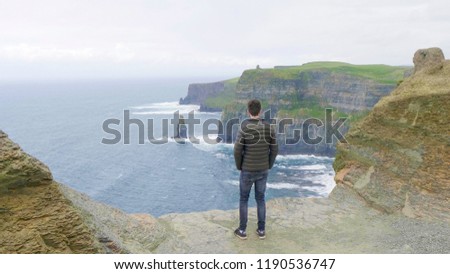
pixel 270 185
pixel 211 147
pixel 316 167
pixel 221 155
pixel 310 167
pixel 232 182
pixel 282 186
pixel 302 156
pixel 164 108
pixel 322 184
pixel 162 105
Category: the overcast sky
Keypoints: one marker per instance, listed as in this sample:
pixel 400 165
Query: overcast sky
pixel 55 39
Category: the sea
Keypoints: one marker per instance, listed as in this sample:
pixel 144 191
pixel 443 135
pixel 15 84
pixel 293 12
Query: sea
pixel 61 123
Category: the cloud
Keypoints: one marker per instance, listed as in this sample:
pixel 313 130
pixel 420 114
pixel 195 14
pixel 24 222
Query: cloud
pixel 30 53
pixel 168 38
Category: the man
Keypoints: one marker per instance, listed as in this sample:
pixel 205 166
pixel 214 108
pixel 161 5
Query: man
pixel 255 151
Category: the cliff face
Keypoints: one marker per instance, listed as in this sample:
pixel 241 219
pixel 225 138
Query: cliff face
pixel 344 86
pixel 300 92
pixel 342 91
pixel 398 157
pixel 396 162
pixel 198 93
pixel 38 215
pixel 35 217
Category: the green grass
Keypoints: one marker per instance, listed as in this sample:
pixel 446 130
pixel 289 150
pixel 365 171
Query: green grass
pixel 380 73
pixel 300 108
pixel 226 97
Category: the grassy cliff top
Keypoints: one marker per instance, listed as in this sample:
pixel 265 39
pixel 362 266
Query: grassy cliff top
pixel 265 76
pixel 380 73
pixel 225 97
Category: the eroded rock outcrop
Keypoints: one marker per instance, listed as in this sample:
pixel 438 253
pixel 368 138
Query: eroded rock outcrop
pixel 38 215
pixel 392 193
pixel 428 60
pixel 398 157
pixel 396 162
pixel 35 217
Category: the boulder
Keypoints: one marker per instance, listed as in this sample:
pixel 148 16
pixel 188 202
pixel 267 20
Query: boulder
pixel 428 60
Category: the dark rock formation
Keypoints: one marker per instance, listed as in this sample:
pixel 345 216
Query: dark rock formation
pixel 198 93
pixel 398 157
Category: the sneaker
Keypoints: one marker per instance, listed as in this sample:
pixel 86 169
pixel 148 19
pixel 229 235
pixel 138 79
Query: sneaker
pixel 240 234
pixel 261 233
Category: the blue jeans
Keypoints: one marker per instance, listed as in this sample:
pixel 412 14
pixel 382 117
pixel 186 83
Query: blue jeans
pixel 246 180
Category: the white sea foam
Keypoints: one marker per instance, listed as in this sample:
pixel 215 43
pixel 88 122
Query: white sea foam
pixel 270 185
pixel 323 184
pixel 301 156
pixel 316 167
pixel 205 146
pixel 221 155
pixel 226 145
pixel 232 182
pixel 162 105
pixel 283 186
pixel 165 108
pixel 309 167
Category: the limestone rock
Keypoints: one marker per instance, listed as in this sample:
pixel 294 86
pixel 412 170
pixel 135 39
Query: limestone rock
pixel 339 224
pixel 341 90
pixel 38 215
pixel 198 93
pixel 34 215
pixel 397 158
pixel 118 231
pixel 17 169
pixel 428 60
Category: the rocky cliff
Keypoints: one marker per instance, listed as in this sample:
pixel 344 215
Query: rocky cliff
pixel 211 97
pixel 342 86
pixel 199 93
pixel 398 157
pixel 35 216
pixel 301 92
pixel 392 194
pixel 38 215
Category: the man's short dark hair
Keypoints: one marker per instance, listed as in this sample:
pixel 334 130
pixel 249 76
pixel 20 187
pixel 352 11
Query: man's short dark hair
pixel 254 107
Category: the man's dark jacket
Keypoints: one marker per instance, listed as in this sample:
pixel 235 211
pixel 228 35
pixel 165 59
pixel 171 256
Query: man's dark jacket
pixel 256 146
